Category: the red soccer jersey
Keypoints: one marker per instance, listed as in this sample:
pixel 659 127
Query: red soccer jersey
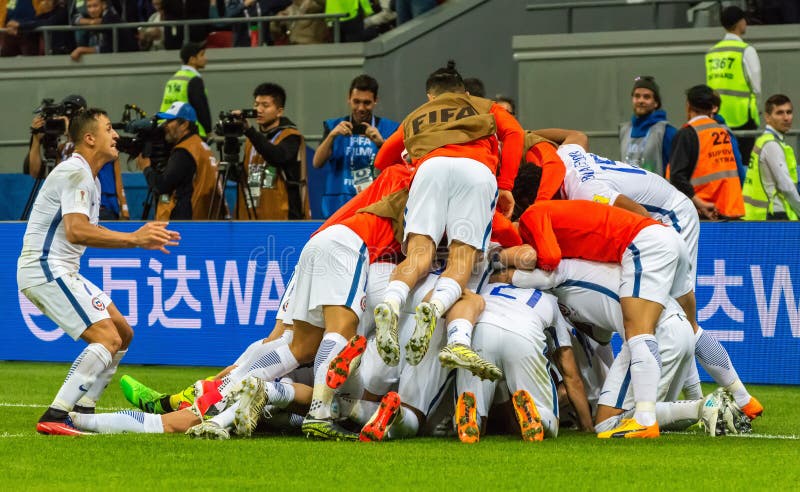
pixel 485 150
pixel 545 156
pixel 376 232
pixel 503 231
pixel 579 229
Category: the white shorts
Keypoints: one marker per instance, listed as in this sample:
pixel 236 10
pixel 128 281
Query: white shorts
pixel 331 271
pixel 524 365
pixel 688 226
pixel 453 195
pixel 654 266
pixel 283 313
pixel 71 301
pixel 425 385
pixel 676 347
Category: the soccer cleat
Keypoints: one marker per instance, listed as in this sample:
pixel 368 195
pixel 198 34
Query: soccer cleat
pixel 417 346
pixel 347 360
pixel 142 397
pixel 206 395
pixel 386 334
pixel 208 430
pixel 57 422
pixel 375 429
pixel 326 429
pixel 460 356
pixel 734 419
pixel 467 419
pixel 711 413
pixel 530 423
pixel 753 408
pixel 631 429
pixel 252 396
pixel 83 409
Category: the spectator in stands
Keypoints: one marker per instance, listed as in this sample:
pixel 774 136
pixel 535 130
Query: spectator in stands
pixel 770 188
pixel 382 20
pixel 187 86
pixel 185 10
pixel 188 183
pixel 101 41
pixel 741 166
pixel 14 42
pixel 475 87
pixel 253 8
pixel 506 103
pixel 274 162
pixel 350 143
pixel 646 139
pixel 49 13
pixel 408 9
pixel 311 31
pixel 352 25
pixel 734 70
pixel 152 38
pixel 702 165
pixel 780 11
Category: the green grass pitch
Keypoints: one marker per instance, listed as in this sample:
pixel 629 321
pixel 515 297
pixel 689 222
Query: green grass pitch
pixel 767 460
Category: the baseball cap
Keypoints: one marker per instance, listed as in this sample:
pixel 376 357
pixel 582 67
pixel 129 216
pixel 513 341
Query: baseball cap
pixel 701 97
pixel 730 16
pixel 74 100
pixel 647 82
pixel 191 49
pixel 179 110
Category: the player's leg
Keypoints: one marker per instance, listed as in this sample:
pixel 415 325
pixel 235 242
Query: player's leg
pixel 527 375
pixel 458 353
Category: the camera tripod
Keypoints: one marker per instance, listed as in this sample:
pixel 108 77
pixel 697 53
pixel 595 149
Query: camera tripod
pixel 231 168
pixel 50 153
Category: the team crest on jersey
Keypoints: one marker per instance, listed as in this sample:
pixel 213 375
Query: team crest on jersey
pixel 98 304
pixel 565 311
pixel 600 199
pixel 364 303
pixel 286 306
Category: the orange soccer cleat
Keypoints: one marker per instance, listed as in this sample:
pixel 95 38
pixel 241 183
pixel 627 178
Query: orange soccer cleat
pixel 341 365
pixel 467 419
pixel 631 429
pixel 377 426
pixel 530 423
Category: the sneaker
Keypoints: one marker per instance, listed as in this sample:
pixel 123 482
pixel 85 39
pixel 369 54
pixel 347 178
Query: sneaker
pixel 375 429
pixel 530 423
pixel 326 429
pixel 140 396
pixel 460 356
pixel 252 396
pixel 753 408
pixel 734 419
pixel 347 361
pixel 55 422
pixel 206 396
pixel 417 345
pixel 629 429
pixel 208 430
pixel 711 413
pixel 467 419
pixel 386 334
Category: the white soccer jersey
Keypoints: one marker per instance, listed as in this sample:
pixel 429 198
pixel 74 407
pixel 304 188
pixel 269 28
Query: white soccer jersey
pixel 595 178
pixel 46 254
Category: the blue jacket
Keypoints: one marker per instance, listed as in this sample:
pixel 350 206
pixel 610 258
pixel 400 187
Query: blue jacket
pixel 641 125
pixel 347 154
pixel 741 167
pixel 108 188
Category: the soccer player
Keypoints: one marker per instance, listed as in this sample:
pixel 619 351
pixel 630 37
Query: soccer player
pixel 64 221
pixel 453 140
pixel 654 263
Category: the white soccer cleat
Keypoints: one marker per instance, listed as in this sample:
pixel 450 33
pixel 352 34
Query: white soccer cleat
pixel 208 430
pixel 252 396
pixel 735 421
pixel 386 321
pixel 426 317
pixel 711 413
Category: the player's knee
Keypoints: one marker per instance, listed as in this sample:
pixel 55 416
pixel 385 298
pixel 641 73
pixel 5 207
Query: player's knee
pixel 125 333
pixel 303 350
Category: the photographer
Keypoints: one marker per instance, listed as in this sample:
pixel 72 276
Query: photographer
pixel 187 183
pixel 274 162
pixel 50 135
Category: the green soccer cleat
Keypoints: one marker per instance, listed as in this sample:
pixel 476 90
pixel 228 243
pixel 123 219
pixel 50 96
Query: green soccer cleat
pixel 327 429
pixel 459 356
pixel 142 397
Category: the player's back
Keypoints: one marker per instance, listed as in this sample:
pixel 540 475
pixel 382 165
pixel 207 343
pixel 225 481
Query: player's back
pixel 527 312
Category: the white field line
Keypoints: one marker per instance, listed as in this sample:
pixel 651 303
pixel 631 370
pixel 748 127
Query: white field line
pixel 744 436
pixel 44 405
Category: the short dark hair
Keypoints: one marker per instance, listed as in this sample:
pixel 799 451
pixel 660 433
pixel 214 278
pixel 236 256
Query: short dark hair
pixel 80 123
pixel 526 186
pixel 701 98
pixel 191 49
pixel 445 79
pixel 475 87
pixel 507 100
pixel 730 16
pixel 274 91
pixel 364 83
pixel 776 100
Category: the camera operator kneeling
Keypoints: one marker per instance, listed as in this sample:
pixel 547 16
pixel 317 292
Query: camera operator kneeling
pixel 187 183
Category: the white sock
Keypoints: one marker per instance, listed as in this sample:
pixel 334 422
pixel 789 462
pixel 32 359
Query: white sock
pixel 225 418
pixel 645 373
pixel 274 362
pixel 94 359
pixel 93 395
pixel 280 394
pixel 322 396
pixel 677 415
pixel 406 424
pixel 691 387
pixel 396 294
pixel 362 411
pixel 717 363
pixel 245 356
pixel 460 331
pixel 115 423
pixel 446 292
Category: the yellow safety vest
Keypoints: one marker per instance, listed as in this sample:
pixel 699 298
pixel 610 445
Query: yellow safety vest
pixel 177 90
pixel 725 74
pixel 757 205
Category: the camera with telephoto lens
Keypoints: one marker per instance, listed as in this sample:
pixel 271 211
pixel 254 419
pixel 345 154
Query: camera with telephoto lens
pixel 52 114
pixel 232 125
pixel 144 136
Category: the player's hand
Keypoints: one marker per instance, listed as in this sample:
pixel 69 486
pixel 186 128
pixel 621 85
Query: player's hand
pixel 373 134
pixel 238 114
pixel 706 209
pixel 503 276
pixel 155 235
pixel 37 124
pixel 343 129
pixel 505 202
